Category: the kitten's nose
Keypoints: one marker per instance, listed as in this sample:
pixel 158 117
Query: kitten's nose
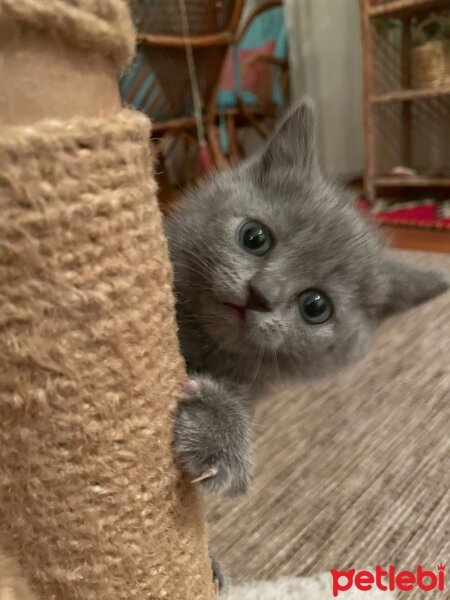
pixel 256 301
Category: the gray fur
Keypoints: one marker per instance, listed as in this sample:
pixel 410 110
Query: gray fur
pixel 205 422
pixel 321 243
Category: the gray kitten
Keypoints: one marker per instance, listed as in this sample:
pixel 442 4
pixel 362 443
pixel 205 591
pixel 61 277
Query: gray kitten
pixel 276 274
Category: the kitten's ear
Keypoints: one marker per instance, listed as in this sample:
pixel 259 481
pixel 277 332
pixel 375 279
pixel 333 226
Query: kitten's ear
pixel 409 286
pixel 293 145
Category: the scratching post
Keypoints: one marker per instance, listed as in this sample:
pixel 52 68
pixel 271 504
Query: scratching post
pixel 91 505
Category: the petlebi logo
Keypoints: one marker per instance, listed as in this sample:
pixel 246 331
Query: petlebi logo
pixel 389 579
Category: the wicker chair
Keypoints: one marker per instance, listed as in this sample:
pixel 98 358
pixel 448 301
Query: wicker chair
pixel 241 108
pixel 159 82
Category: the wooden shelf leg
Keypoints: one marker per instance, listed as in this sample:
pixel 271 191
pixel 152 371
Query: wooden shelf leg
pixel 368 108
pixel 232 138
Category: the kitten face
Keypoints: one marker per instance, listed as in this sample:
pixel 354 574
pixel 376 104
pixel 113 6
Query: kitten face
pixel 271 261
pixel 309 252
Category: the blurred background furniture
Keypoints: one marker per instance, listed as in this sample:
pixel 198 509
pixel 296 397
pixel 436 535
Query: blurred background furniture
pixel 161 80
pixel 406 83
pixel 239 70
pixel 254 87
pixel 243 80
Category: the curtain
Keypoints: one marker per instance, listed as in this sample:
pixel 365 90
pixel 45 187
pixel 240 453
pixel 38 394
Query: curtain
pixel 325 56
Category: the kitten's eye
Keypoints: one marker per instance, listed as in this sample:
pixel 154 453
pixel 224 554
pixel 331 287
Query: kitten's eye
pixel 255 238
pixel 315 307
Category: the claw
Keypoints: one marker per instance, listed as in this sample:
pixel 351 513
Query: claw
pixel 212 472
pixel 216 586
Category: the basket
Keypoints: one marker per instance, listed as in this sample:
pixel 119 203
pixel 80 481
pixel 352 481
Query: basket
pixel 431 64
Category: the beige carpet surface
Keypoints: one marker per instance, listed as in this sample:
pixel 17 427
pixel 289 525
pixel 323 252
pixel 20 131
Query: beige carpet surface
pixel 300 588
pixel 354 469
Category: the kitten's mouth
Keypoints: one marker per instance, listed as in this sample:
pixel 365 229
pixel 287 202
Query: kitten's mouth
pixel 255 302
pixel 240 311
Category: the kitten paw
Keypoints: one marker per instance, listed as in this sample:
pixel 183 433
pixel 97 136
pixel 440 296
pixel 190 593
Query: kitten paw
pixel 212 437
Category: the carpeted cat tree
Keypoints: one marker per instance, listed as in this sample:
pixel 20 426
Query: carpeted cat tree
pixel 91 505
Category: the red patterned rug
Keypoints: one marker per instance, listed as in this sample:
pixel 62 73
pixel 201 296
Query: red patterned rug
pixel 427 213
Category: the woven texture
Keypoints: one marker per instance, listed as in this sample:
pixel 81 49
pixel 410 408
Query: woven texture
pixel 90 502
pixel 353 470
pixel 164 16
pixel 153 88
pixel 103 25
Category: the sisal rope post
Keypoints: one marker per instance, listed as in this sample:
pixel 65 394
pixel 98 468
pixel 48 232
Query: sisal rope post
pixel 91 504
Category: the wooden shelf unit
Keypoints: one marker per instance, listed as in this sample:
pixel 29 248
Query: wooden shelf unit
pixel 396 115
pixel 409 95
pixel 412 181
pixel 405 8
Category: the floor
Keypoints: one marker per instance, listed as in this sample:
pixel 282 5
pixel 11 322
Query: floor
pixel 353 470
pixel 419 239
